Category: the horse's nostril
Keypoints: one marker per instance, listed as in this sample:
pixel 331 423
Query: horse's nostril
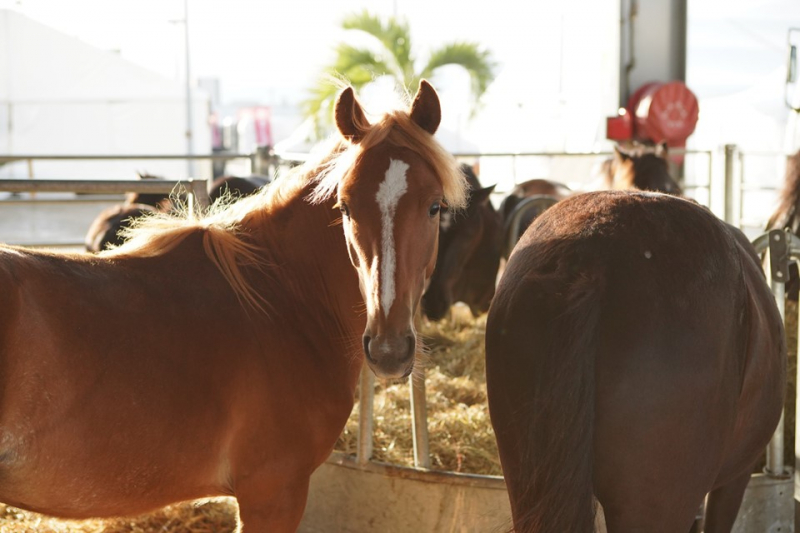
pixel 412 345
pixel 366 339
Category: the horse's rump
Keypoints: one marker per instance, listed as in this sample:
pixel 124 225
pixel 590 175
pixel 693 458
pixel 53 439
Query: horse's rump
pixel 638 302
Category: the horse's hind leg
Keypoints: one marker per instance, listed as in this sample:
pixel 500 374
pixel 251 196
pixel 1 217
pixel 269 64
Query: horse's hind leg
pixel 264 509
pixel 723 505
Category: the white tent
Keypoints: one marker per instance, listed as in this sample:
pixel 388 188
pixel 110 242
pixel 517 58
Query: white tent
pixel 59 95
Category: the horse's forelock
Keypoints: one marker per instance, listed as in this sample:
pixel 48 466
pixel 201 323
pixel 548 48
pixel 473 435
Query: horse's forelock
pixel 398 129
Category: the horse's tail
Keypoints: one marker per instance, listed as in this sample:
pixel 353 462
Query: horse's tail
pixel 545 362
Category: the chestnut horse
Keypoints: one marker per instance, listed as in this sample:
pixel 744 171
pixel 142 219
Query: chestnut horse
pixel 255 321
pixel 634 353
pixel 469 254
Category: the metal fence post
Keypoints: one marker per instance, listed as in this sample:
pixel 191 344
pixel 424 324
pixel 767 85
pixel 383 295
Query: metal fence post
pixel 419 420
pixel 198 189
pixel 777 269
pixel 514 168
pixel 260 160
pixel 729 191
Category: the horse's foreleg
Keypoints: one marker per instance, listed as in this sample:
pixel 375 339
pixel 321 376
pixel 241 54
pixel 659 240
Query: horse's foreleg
pixel 723 505
pixel 265 510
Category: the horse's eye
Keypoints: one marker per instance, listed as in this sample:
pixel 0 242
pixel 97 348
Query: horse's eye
pixel 435 208
pixel 344 209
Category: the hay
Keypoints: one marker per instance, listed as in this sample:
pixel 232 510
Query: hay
pixel 205 516
pixel 460 433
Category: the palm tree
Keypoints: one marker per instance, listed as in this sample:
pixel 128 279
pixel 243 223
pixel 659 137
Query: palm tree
pixel 360 66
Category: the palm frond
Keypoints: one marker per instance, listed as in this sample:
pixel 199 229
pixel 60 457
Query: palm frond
pixel 359 65
pixel 394 35
pixel 352 66
pixel 475 60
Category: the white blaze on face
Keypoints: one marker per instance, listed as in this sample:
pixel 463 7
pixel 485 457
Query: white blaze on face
pixel 391 190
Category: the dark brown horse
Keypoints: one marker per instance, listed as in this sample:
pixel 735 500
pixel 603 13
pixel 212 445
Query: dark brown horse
pixel 523 204
pixel 105 229
pixel 641 167
pixel 255 322
pixel 634 353
pixel 469 254
pixel 472 243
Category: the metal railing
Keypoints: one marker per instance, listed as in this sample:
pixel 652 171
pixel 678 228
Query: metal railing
pixel 197 189
pixel 781 249
pixel 261 161
pixel 704 172
pixel 744 188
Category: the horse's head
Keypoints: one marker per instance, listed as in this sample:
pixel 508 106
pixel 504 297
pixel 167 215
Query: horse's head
pixel 644 168
pixel 161 201
pixel 391 198
pixel 469 255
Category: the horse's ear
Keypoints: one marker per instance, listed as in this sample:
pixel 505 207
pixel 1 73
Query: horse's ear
pixel 481 196
pixel 507 206
pixel 426 110
pixel 350 118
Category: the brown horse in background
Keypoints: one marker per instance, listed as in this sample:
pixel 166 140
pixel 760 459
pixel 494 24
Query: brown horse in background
pixel 95 423
pixel 471 245
pixel 105 229
pixel 469 254
pixel 519 211
pixel 634 353
pixel 231 187
pixel 787 216
pixel 111 224
pixel 643 168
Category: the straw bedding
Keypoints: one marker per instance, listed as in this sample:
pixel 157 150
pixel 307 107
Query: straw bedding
pixel 210 516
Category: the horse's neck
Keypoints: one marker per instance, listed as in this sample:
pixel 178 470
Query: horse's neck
pixel 312 277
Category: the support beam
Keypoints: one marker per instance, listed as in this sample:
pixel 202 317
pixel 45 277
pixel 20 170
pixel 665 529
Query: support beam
pixel 652 43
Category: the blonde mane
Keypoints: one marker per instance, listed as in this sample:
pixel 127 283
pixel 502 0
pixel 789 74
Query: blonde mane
pixel 224 226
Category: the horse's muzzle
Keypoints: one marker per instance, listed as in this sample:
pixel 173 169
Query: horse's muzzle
pixel 390 356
